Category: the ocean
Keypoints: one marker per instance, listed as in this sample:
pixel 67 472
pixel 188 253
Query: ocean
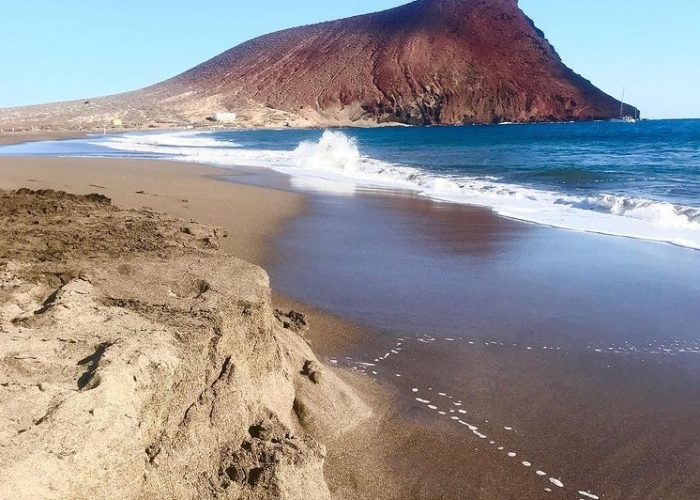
pixel 639 180
pixel 559 360
pixel 439 253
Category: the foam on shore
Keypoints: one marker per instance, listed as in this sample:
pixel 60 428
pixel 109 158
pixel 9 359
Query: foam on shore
pixel 337 160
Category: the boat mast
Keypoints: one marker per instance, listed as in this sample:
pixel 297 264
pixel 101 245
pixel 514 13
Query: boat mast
pixel 622 102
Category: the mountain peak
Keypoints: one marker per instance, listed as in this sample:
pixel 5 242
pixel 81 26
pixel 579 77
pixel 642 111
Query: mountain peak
pixel 426 62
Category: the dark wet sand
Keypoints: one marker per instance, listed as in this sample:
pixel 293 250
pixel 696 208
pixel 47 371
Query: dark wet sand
pixel 586 347
pixel 7 138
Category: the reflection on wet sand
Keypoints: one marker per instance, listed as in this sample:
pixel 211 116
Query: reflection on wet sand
pixel 529 363
pixel 451 228
pixel 407 263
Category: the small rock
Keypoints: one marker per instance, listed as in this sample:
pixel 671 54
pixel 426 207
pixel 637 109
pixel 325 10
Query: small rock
pixel 293 320
pixel 312 369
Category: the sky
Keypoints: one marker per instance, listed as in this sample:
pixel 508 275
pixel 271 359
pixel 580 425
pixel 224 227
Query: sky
pixel 53 50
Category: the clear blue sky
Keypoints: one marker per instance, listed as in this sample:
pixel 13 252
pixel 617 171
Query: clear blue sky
pixel 54 50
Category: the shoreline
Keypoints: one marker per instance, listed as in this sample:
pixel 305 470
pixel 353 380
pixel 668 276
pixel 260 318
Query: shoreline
pixel 257 213
pixel 539 204
pixel 563 348
pixel 410 452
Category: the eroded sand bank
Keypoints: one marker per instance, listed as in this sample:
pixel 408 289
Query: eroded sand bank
pixel 138 360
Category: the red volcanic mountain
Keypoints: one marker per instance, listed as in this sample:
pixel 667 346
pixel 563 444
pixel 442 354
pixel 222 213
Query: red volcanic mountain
pixel 427 62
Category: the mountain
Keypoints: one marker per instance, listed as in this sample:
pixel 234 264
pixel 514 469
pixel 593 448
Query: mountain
pixel 427 62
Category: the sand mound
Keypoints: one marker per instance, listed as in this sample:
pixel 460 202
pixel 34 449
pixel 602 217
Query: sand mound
pixel 139 361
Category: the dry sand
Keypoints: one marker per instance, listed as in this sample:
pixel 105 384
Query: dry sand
pixel 248 216
pixel 251 214
pixel 140 361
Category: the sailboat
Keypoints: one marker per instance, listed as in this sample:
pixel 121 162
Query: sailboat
pixel 623 118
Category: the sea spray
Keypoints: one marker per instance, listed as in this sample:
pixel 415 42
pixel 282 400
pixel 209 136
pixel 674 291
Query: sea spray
pixel 334 151
pixel 558 175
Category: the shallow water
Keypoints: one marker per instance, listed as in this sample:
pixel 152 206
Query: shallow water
pixel 406 263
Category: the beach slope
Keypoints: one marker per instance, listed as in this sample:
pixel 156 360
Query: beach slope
pixel 141 361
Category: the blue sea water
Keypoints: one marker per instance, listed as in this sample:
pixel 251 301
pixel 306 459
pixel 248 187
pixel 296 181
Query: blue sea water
pixel 639 180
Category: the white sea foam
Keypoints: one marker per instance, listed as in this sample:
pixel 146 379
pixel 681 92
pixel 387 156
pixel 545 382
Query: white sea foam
pixel 170 142
pixel 556 482
pixel 336 159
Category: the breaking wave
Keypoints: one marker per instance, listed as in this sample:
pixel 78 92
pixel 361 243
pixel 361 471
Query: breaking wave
pixel 336 157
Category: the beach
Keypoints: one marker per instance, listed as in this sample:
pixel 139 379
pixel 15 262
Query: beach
pixel 473 394
pixel 7 138
pixel 185 191
pixel 134 293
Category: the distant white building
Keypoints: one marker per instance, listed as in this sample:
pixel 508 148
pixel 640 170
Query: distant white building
pixel 224 117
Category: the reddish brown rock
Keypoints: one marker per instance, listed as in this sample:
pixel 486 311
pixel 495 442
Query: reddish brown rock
pixel 427 62
pixel 430 61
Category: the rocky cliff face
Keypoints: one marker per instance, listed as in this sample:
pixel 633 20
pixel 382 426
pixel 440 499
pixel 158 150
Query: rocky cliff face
pixel 427 62
pixel 138 362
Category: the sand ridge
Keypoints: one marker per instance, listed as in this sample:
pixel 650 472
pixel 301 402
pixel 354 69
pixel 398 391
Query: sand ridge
pixel 140 361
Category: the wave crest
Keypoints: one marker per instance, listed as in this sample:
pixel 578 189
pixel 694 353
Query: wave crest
pixel 334 151
pixel 337 157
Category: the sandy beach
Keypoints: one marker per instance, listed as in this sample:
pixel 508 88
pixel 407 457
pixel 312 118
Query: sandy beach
pixel 184 191
pixel 167 293
pixel 250 216
pixel 7 138
pixel 487 418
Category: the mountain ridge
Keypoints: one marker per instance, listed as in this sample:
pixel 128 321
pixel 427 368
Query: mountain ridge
pixel 426 62
pixel 423 63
